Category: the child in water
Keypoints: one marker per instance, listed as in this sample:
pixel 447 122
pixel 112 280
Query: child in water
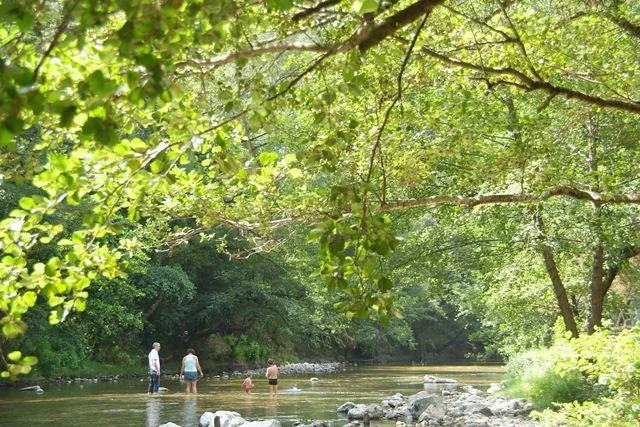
pixel 247 384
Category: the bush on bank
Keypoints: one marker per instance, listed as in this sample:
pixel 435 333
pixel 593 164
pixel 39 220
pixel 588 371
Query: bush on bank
pixel 591 380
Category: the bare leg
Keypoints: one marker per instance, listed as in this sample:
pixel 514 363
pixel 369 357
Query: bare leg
pixel 194 388
pixel 187 387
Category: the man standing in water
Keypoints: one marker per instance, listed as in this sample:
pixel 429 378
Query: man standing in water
pixel 154 368
pixel 272 377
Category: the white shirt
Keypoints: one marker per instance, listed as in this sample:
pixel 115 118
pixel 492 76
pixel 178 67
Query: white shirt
pixel 154 360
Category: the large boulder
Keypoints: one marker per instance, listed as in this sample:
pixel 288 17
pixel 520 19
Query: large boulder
pixel 227 419
pixel 419 402
pixel 505 407
pixel 401 412
pixel 394 401
pixel 358 411
pixel 433 413
pixel 468 404
pixel 345 407
pixel 168 425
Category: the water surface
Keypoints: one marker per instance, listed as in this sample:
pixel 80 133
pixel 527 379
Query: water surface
pixel 125 403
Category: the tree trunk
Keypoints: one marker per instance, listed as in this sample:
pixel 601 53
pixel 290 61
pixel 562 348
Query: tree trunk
pixel 597 266
pixel 597 288
pixel 558 288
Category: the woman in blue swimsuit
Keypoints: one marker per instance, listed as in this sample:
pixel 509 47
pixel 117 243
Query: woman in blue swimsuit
pixel 190 369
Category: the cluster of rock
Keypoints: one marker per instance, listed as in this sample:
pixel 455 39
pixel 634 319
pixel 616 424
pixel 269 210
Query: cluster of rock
pixel 469 407
pixel 301 369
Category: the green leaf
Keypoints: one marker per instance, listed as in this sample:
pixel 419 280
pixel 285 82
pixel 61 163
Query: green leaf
pixel 27 203
pixel 30 360
pixel 280 5
pixel 384 284
pixel 52 267
pixel 13 328
pixel 268 158
pixel 14 356
pixel 364 6
pixel 158 166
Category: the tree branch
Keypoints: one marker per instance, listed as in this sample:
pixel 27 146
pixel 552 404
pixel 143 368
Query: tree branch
pixel 54 41
pixel 611 273
pixel 527 83
pixel 312 10
pixel 389 26
pixel 590 196
pixel 230 57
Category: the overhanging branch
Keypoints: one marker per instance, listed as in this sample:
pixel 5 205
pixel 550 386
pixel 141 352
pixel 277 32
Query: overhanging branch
pixel 527 83
pixel 493 199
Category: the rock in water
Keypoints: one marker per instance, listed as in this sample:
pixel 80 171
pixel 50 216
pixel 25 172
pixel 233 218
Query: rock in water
pixel 344 408
pixel 438 380
pixel 227 419
pixel 33 389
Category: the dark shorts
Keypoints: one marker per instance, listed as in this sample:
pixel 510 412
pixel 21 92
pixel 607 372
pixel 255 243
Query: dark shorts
pixel 191 376
pixel 273 381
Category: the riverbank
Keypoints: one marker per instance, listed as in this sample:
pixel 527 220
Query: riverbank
pixel 96 374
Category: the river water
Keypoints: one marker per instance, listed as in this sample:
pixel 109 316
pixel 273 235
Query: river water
pixel 125 403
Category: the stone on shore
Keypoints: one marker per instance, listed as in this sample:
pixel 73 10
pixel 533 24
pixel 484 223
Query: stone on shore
pixel 227 419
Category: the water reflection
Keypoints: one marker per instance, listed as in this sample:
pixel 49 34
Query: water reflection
pixel 272 407
pixel 248 406
pixel 154 410
pixel 191 413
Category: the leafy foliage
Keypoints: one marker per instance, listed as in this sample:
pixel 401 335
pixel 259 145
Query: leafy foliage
pixel 589 380
pixel 193 115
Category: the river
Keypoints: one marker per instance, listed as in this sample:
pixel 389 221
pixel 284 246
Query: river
pixel 125 403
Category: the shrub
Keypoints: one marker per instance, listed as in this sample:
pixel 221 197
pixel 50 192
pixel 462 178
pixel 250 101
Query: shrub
pixel 591 380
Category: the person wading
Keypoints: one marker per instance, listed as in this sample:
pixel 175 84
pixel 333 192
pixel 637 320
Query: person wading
pixel 154 368
pixel 190 369
pixel 272 377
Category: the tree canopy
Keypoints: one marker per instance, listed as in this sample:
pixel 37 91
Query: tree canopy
pixel 156 123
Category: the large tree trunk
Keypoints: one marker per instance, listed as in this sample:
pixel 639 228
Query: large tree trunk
pixel 597 266
pixel 558 287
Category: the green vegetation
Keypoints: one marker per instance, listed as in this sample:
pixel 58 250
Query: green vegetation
pixel 316 179
pixel 592 380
